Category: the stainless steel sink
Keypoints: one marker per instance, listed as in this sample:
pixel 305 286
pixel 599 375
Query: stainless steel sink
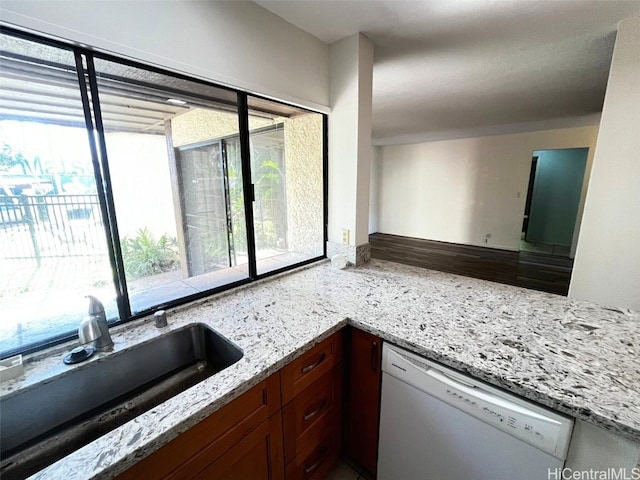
pixel 41 424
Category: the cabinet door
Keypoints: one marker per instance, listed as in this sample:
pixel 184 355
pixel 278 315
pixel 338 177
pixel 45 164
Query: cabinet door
pixel 257 457
pixel 364 405
pixel 201 445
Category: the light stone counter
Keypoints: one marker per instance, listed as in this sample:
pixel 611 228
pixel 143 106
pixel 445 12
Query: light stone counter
pixel 575 357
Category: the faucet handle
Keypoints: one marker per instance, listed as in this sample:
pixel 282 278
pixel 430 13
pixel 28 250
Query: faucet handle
pixel 161 318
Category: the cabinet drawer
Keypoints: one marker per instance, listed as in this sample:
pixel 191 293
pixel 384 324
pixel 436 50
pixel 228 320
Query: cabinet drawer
pixel 193 450
pixel 315 407
pixel 316 459
pixel 257 457
pixel 310 366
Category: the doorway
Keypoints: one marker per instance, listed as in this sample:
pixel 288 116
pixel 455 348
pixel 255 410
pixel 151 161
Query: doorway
pixel 210 183
pixel 205 194
pixel 553 199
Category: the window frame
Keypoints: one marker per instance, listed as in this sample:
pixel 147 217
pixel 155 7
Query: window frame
pixel 89 93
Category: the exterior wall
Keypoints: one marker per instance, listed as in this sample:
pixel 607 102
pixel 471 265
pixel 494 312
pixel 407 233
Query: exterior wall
pixel 303 150
pixel 303 166
pixel 198 125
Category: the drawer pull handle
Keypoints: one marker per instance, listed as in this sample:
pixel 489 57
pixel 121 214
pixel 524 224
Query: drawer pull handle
pixel 308 368
pixel 323 456
pixel 308 416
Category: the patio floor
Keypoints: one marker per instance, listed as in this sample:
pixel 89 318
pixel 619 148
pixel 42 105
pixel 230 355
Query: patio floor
pixel 37 303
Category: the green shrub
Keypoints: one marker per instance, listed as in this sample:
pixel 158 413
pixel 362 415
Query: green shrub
pixel 144 256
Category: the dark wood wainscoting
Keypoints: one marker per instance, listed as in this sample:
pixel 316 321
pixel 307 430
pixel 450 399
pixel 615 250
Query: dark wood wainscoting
pixel 523 269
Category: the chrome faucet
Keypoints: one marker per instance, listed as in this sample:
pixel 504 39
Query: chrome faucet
pixel 94 328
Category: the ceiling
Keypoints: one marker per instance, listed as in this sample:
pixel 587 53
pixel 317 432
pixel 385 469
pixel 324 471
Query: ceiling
pixel 449 69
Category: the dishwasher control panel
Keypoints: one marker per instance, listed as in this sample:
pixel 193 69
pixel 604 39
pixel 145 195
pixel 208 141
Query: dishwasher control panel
pixel 541 432
pixel 538 426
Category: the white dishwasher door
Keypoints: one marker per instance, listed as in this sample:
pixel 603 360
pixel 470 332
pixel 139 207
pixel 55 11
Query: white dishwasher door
pixel 458 431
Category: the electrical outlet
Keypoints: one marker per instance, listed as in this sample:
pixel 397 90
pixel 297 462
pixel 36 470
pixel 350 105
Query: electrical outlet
pixel 345 236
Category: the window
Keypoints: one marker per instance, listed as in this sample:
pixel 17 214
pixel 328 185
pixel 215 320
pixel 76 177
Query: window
pixel 131 184
pixel 169 172
pixel 53 248
pixel 286 171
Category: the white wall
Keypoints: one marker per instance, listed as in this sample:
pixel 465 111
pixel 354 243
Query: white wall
pixel 351 65
pixel 235 43
pixel 365 119
pixel 374 185
pixel 461 190
pixel 607 264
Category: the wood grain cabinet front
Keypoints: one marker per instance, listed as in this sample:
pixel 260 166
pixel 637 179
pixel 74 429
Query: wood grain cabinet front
pixel 310 366
pixel 199 447
pixel 312 412
pixel 363 410
pixel 255 438
pixel 314 409
pixel 316 458
pixel 258 456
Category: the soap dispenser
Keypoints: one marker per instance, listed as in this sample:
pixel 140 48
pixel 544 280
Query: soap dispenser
pixel 94 327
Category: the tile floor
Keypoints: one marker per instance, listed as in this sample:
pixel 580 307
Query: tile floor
pixel 344 471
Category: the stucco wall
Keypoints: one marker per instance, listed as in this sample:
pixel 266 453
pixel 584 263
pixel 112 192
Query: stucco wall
pixel 198 125
pixel 303 146
pixel 303 166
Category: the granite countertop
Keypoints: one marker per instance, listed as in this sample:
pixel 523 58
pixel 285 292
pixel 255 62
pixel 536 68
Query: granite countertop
pixel 575 357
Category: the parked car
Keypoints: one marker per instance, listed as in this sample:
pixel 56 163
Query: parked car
pixel 25 185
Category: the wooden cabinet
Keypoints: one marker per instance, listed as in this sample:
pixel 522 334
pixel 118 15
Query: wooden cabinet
pixel 232 429
pixel 258 456
pixel 293 418
pixel 312 411
pixel 318 457
pixel 363 415
pixel 310 366
pixel 315 409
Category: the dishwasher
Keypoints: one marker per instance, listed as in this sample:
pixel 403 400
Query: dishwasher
pixel 438 424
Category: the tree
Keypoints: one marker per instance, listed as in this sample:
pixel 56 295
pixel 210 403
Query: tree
pixel 9 158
